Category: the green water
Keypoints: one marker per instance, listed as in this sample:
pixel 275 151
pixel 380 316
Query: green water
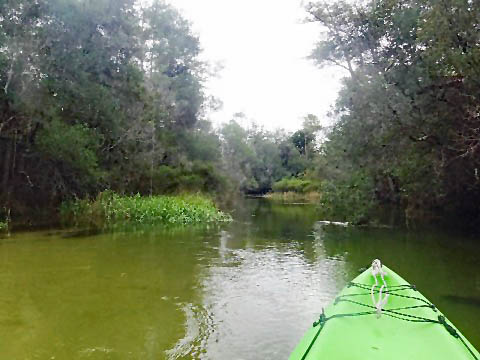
pixel 247 290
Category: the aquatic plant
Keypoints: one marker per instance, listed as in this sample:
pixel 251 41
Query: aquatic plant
pixel 110 209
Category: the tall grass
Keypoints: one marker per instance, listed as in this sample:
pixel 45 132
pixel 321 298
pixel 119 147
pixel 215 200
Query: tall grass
pixel 292 196
pixel 110 209
pixel 296 185
pixel 295 190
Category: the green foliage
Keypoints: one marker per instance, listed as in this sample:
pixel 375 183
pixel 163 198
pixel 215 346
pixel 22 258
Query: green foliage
pixel 295 185
pixel 351 201
pixel 257 158
pixel 110 209
pixel 200 177
pixel 4 224
pixel 304 139
pixel 75 145
pixel 293 161
pixel 407 116
pixel 201 145
pixel 109 94
pixel 301 139
pixel 101 94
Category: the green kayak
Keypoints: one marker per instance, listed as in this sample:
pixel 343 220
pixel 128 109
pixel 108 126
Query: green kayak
pixel 380 316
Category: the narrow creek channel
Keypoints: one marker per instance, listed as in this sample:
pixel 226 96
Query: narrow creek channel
pixel 247 290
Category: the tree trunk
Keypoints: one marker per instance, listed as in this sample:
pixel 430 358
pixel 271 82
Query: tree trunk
pixel 9 76
pixel 6 168
pixel 305 144
pixel 391 188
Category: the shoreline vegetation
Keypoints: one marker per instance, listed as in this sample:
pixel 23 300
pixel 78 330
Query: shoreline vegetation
pixel 117 101
pixel 294 189
pixel 5 222
pixel 109 209
pixel 292 196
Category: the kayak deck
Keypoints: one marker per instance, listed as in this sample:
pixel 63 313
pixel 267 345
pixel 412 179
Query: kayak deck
pixel 410 327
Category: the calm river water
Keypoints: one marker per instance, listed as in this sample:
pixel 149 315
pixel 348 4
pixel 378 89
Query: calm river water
pixel 247 290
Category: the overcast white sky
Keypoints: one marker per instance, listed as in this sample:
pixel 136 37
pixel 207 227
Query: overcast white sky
pixel 262 45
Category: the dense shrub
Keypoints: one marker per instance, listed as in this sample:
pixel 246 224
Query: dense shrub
pixel 351 201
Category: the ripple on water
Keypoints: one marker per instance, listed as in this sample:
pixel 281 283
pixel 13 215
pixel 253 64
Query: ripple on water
pixel 252 302
pixel 246 293
pixel 200 327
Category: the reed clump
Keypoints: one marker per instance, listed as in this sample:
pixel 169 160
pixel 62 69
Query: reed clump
pixel 292 196
pixel 292 189
pixel 110 209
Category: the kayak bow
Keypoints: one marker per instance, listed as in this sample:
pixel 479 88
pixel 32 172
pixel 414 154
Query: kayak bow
pixel 380 316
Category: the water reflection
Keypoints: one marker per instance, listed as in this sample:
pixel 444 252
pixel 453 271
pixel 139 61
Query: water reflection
pixel 259 301
pixel 442 266
pixel 269 281
pixel 243 291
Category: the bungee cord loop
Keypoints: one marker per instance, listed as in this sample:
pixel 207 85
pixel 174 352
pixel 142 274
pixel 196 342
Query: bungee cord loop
pixel 379 307
pixel 382 297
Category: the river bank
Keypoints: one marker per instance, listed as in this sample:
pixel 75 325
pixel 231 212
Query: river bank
pixel 110 209
pixel 293 196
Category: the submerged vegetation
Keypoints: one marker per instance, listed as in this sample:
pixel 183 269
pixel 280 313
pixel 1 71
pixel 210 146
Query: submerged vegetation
pixel 110 209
